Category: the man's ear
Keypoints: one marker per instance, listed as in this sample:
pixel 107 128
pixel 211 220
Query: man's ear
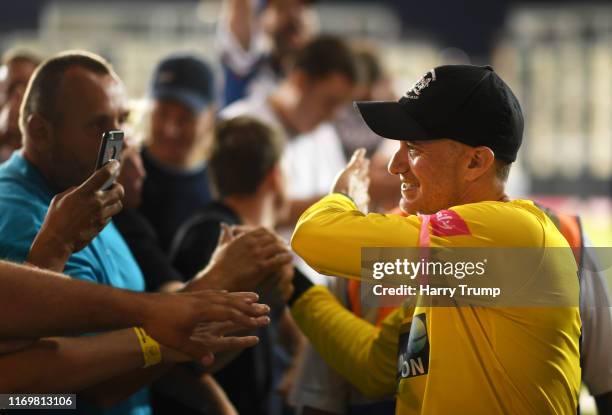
pixel 39 132
pixel 481 160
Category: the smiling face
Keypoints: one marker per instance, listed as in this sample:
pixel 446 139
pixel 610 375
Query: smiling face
pixel 178 132
pixel 431 174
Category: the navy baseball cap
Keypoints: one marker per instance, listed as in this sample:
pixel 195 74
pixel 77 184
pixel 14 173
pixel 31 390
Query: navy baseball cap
pixel 185 79
pixel 465 103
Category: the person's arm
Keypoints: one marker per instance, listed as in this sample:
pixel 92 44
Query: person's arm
pixel 74 218
pixel 79 306
pixel 238 37
pixel 242 262
pixel 212 337
pixel 240 20
pixel 56 365
pixel 294 342
pixel 117 388
pixel 330 234
pixel 74 307
pixel 384 187
pixel 216 397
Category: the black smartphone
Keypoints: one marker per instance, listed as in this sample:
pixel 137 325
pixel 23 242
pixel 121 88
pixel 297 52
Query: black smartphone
pixel 110 149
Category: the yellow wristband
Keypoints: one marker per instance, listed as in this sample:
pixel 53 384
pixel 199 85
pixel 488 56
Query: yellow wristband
pixel 150 348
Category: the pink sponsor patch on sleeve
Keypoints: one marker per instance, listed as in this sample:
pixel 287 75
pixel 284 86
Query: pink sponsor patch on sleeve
pixel 448 223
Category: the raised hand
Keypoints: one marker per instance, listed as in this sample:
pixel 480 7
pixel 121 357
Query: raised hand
pixel 243 259
pixel 195 324
pixel 354 180
pixel 75 217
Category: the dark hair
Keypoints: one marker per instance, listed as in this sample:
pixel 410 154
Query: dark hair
pixel 243 153
pixel 368 63
pixel 502 169
pixel 41 94
pixel 324 56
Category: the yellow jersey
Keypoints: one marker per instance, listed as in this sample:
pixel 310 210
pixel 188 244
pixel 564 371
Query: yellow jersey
pixel 444 360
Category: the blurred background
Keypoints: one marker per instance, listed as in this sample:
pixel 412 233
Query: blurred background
pixel 556 56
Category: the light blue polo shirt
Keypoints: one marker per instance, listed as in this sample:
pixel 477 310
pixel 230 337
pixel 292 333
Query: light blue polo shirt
pixel 24 199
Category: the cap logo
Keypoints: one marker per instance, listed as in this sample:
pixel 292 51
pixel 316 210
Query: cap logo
pixel 421 84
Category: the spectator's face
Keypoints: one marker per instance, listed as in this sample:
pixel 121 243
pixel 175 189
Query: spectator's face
pixel 286 22
pixel 321 99
pixel 12 87
pixel 174 131
pixel 429 172
pixel 88 105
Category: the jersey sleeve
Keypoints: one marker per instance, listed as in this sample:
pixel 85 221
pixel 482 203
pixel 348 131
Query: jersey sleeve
pixel 330 234
pixel 362 353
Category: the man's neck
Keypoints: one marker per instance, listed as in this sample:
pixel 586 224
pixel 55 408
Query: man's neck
pixel 284 102
pixel 250 209
pixel 476 193
pixel 39 166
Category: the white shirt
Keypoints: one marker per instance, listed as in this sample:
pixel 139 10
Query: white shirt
pixel 243 62
pixel 311 160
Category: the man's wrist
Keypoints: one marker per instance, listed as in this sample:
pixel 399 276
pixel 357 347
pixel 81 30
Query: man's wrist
pixel 49 253
pixel 207 279
pixel 151 350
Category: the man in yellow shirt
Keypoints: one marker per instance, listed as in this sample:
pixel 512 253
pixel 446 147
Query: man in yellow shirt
pixel 460 128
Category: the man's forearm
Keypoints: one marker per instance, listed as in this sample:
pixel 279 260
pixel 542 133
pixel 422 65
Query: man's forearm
pixel 240 20
pixel 58 365
pixel 48 253
pixel 42 303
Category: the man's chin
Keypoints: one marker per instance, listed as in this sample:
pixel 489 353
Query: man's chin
pixel 408 207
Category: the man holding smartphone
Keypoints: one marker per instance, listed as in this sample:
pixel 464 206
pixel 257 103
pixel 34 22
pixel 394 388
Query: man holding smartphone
pixel 71 100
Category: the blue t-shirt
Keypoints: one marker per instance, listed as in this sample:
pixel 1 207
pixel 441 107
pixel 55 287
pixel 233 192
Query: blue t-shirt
pixel 24 199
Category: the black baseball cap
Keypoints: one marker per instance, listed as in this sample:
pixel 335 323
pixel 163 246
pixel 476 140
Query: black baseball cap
pixel 467 103
pixel 186 79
